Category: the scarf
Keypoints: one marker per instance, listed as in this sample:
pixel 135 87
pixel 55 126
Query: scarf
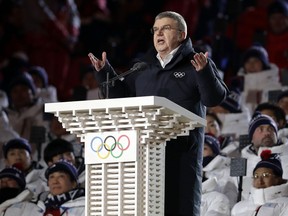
pixel 53 203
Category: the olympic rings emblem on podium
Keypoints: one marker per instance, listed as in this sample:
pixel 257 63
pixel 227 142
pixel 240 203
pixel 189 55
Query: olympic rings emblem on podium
pixel 110 145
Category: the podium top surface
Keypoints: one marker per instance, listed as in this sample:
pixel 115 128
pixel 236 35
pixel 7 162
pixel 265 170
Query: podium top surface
pixel 148 113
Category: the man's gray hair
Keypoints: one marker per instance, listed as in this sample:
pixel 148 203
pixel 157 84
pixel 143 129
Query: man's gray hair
pixel 175 16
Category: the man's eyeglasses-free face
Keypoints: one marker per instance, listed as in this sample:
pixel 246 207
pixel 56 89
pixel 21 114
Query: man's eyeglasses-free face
pixel 164 28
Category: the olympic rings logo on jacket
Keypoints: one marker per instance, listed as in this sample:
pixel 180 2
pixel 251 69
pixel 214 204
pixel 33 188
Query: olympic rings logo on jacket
pixel 179 74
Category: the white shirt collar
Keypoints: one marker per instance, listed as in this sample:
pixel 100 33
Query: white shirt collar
pixel 168 58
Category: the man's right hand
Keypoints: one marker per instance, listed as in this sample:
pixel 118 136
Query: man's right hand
pixel 97 63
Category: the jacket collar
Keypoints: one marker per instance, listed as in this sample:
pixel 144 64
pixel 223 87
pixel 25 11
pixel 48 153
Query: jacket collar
pixel 261 196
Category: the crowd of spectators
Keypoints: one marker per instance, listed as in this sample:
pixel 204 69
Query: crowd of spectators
pixel 43 59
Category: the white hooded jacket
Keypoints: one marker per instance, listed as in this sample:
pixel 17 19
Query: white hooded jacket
pixel 271 201
pixel 23 197
pixel 253 159
pixel 213 203
pixel 219 168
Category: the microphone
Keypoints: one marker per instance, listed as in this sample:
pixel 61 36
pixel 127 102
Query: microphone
pixel 136 67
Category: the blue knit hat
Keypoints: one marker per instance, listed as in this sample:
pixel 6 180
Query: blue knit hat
pixel 213 143
pixel 14 173
pixel 232 102
pixel 258 52
pixel 271 161
pixel 64 166
pixel 18 143
pixel 279 6
pixel 23 79
pixel 260 119
pixel 41 72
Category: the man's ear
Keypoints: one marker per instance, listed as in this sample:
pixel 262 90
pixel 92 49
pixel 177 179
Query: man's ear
pixel 182 36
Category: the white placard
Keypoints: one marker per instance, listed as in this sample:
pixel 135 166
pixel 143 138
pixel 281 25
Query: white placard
pixel 109 147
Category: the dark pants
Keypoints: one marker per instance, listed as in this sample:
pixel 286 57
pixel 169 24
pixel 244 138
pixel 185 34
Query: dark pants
pixel 183 175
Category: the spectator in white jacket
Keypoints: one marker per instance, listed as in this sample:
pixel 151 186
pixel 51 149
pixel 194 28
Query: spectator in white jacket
pixel 25 110
pixel 6 130
pixel 218 166
pixel 269 191
pixel 213 203
pixel 18 152
pixel 64 197
pixel 263 135
pixel 282 101
pixel 258 76
pixel 44 91
pixel 12 190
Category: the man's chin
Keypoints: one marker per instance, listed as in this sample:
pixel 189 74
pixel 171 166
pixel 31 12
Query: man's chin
pixel 267 144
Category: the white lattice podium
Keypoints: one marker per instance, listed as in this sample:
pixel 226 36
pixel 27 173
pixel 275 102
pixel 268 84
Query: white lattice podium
pixel 118 186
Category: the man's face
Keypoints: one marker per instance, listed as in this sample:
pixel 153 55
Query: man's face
pixel 59 182
pixel 21 96
pixel 37 81
pixel 283 103
pixel 264 177
pixel 264 136
pixel 9 189
pixel 8 182
pixel 167 36
pixel 278 23
pixel 253 65
pixel 212 126
pixel 19 156
pixel 207 151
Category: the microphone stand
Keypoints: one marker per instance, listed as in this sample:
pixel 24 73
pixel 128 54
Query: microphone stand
pixel 240 188
pixel 108 82
pixel 111 81
pixel 120 77
pixel 107 85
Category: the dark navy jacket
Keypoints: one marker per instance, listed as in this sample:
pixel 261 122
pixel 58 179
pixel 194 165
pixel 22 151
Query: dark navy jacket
pixel 193 91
